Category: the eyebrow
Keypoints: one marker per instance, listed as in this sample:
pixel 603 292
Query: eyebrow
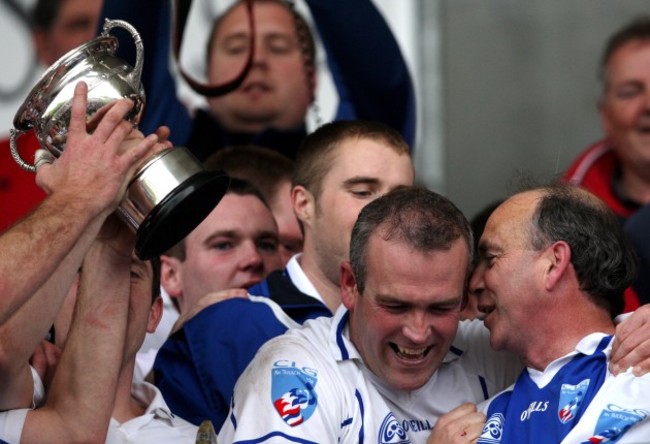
pixel 383 299
pixel 484 246
pixel 356 180
pixel 232 234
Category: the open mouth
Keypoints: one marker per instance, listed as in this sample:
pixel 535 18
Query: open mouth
pixel 412 354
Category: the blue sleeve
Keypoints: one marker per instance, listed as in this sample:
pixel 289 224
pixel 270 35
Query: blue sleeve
pixel 152 20
pixel 197 368
pixel 367 64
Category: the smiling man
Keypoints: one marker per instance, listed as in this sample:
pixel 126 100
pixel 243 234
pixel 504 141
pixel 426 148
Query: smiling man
pixel 552 271
pixel 381 368
pixel 617 168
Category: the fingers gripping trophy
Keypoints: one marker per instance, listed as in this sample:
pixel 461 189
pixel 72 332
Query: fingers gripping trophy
pixel 171 193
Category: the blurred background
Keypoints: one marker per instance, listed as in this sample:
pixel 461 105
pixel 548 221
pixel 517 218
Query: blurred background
pixel 505 87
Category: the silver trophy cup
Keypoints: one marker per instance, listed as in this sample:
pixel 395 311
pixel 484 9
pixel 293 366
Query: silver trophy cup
pixel 171 194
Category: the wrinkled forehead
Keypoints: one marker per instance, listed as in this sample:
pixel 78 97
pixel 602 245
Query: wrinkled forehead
pixel 512 219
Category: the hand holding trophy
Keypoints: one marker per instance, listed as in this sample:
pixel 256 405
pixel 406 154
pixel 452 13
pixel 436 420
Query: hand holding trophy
pixel 170 193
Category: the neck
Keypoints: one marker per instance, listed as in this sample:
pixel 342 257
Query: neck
pixel 329 291
pixel 542 349
pixel 126 407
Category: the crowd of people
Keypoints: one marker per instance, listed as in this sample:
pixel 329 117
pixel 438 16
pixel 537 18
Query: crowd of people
pixel 327 298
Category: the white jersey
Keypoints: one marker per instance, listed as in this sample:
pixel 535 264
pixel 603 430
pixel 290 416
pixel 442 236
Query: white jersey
pixel 310 385
pixel 157 424
pixel 619 411
pixel 11 425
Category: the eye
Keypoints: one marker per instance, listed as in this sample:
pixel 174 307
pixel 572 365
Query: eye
pixel 489 259
pixel 395 308
pixel 627 92
pixel 267 246
pixel 361 193
pixel 222 246
pixel 135 274
pixel 236 45
pixel 280 45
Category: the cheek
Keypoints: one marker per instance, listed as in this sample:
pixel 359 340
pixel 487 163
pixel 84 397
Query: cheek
pixel 223 68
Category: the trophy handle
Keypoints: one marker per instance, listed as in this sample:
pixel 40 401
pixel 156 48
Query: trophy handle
pixel 13 136
pixel 135 75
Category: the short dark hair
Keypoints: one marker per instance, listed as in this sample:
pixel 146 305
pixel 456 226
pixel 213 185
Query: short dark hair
pixel 602 257
pixel 422 219
pixel 316 153
pixel 44 13
pixel 155 281
pixel 237 186
pixel 638 29
pixel 263 167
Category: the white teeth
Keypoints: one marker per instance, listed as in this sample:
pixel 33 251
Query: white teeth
pixel 411 351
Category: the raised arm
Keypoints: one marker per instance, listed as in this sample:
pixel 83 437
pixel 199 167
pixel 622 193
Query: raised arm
pixel 80 401
pixel 154 26
pixel 367 64
pixel 41 255
pixel 85 183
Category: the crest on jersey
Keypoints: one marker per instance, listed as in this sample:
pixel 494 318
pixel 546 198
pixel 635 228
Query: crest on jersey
pixel 614 421
pixel 391 431
pixel 293 392
pixel 571 397
pixel 493 429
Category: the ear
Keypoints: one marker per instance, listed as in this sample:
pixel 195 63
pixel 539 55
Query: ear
pixel 558 256
pixel 171 276
pixel 155 314
pixel 348 284
pixel 304 205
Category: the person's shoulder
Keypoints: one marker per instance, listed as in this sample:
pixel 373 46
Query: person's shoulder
pixel 593 159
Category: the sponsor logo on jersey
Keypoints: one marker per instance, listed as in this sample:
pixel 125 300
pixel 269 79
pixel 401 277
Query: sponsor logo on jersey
pixel 391 432
pixel 570 400
pixel 613 422
pixel 416 425
pixel 493 429
pixel 293 391
pixel 535 406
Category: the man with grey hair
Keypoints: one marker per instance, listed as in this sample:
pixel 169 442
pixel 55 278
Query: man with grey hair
pixel 554 264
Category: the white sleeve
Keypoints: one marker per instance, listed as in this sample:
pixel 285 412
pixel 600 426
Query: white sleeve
pixel 288 393
pixel 38 398
pixel 11 425
pixel 500 368
pixel 620 412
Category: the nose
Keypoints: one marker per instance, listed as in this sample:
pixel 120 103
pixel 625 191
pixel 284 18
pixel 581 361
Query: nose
pixel 251 259
pixel 418 328
pixel 260 57
pixel 476 284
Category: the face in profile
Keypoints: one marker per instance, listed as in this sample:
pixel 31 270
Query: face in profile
pixel 275 93
pixel 236 246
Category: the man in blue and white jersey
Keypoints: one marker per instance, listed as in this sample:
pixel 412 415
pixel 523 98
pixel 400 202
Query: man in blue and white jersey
pixel 553 268
pixel 382 369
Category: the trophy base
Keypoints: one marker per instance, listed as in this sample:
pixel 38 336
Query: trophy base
pixel 179 213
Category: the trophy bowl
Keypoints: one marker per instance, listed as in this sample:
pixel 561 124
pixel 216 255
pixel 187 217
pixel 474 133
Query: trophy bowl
pixel 171 193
